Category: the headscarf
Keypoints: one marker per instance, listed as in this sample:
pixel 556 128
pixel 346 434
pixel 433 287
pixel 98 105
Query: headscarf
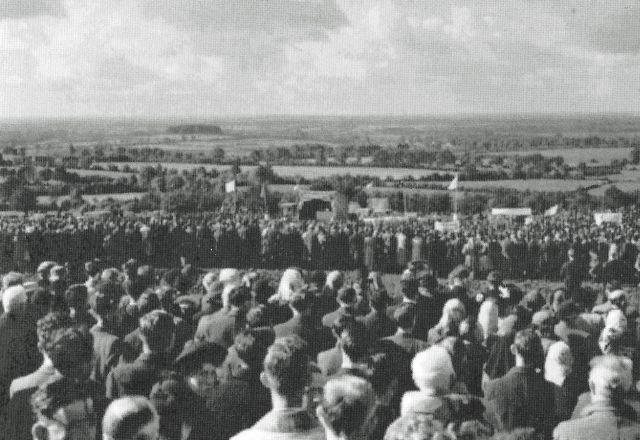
pixel 559 363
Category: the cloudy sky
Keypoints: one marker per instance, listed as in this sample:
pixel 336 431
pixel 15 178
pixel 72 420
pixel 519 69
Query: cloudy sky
pixel 207 58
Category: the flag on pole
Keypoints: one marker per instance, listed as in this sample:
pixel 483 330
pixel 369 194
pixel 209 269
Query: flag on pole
pixel 453 186
pixel 369 185
pixel 551 211
pixel 230 186
pixel 296 188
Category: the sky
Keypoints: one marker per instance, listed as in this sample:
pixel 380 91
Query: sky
pixel 215 58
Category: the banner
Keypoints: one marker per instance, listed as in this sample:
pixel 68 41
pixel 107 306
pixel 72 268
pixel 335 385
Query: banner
pixel 512 212
pixel 607 217
pixel 447 226
pixel 230 186
pixel 551 211
pixel 378 204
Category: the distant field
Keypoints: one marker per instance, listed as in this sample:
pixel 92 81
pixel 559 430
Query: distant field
pixel 112 174
pixel 531 184
pixel 573 156
pixel 307 172
pixel 91 198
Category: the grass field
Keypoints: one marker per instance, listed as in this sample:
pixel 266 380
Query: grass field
pixel 91 198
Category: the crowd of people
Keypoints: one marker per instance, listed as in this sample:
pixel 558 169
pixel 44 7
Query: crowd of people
pixel 520 250
pixel 135 353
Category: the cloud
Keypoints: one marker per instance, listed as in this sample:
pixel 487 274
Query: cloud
pixel 18 9
pixel 216 57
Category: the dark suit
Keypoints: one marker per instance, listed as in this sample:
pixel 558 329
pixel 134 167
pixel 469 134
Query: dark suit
pixel 330 361
pixel 408 343
pixel 107 348
pixel 138 377
pixel 318 339
pixel 219 327
pixel 522 398
pixel 19 353
pixel 237 404
pixel 378 325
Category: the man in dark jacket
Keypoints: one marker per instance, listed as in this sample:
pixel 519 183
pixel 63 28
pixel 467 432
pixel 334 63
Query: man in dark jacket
pixel 157 334
pixel 377 323
pixel 523 398
pixel 222 326
pixel 405 316
pixel 107 346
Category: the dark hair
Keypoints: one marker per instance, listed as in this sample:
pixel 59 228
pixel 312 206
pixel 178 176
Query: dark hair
pixel 405 315
pixel 125 426
pixel 257 316
pixel 239 296
pixel 46 326
pixel 58 393
pixel 528 345
pixel 70 350
pixel 568 309
pixel 76 296
pixel 157 329
pixel 147 302
pixel 354 340
pixel 287 361
pixel 251 345
pixel 379 299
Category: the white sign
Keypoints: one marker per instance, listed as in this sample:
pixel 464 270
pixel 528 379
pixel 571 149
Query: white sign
pixel 607 217
pixel 447 226
pixel 512 212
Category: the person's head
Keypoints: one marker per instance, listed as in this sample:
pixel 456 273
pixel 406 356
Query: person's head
pixel 457 352
pixel 347 297
pixel 76 298
pixel 610 378
pixel 47 326
pixel 417 426
pixel 110 275
pixel 334 280
pixel 251 345
pixel 230 276
pixel 172 398
pixel 64 410
pixel 290 283
pixel 198 363
pixel 527 348
pixel 287 368
pixel 517 434
pixel 558 363
pixel 405 316
pixel 346 407
pixel 453 313
pixel 208 280
pixel 354 341
pixel 613 252
pixel 12 279
pixel 70 350
pixel 543 323
pixel 432 370
pixel 616 320
pixel 238 297
pixel 58 274
pixel 618 298
pixel 568 312
pixel 147 302
pixel 14 299
pixel 488 318
pixel 131 418
pixel 379 299
pixel 157 331
pixel 92 269
pixel 43 270
pixel 558 297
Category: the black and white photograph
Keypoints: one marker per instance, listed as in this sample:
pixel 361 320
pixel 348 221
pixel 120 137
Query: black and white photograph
pixel 319 220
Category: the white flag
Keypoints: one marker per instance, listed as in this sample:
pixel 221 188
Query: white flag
pixel 296 188
pixel 230 186
pixel 369 185
pixel 453 186
pixel 551 211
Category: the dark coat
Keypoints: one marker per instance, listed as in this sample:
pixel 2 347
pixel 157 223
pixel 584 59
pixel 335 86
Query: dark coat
pixel 318 339
pixel 138 377
pixel 408 343
pixel 522 398
pixel 378 325
pixel 219 327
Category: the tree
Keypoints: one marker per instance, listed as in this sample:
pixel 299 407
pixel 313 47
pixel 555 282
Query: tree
pixel 45 174
pixel 218 155
pixel 23 199
pixel 635 155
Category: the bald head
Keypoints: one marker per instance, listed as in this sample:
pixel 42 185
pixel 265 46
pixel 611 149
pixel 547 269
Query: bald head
pixel 14 298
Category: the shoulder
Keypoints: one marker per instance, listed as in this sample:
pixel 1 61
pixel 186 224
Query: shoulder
pixel 569 429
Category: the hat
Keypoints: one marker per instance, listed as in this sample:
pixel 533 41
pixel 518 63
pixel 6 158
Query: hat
pixel 494 277
pixel 459 272
pixel 347 295
pixel 201 352
pixel 543 318
pixel 45 266
pixel 616 294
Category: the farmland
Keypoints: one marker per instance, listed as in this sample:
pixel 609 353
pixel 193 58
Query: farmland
pixel 573 156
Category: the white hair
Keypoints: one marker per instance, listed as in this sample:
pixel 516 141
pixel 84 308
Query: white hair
pixel 616 320
pixel 335 279
pixel 432 370
pixel 453 311
pixel 610 375
pixel 488 318
pixel 230 276
pixel 558 363
pixel 208 280
pixel 290 282
pixel 14 297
